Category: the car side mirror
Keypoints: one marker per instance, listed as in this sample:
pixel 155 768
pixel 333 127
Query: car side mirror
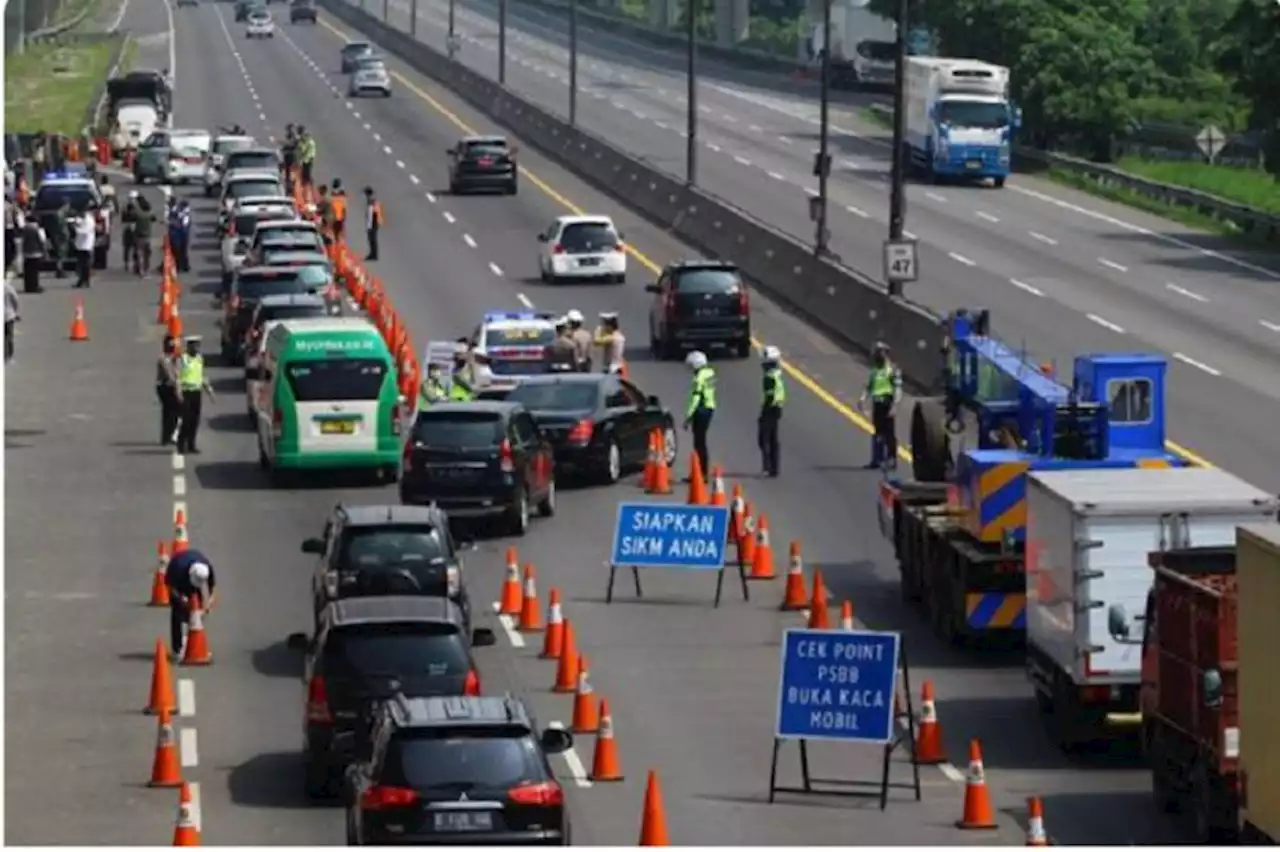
pixel 542 238
pixel 1118 624
pixel 298 642
pixel 483 637
pixel 313 545
pixel 652 401
pixel 556 740
pixel 652 288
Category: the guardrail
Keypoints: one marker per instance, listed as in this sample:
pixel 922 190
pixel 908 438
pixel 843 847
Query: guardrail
pixel 56 30
pixel 856 309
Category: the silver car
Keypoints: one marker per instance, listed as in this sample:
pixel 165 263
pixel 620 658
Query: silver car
pixel 242 224
pixel 222 146
pixel 370 77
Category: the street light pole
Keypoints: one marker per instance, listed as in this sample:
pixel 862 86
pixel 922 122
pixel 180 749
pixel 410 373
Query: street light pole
pixel 897 197
pixel 413 18
pixel 502 42
pixel 451 36
pixel 573 63
pixel 691 119
pixel 823 166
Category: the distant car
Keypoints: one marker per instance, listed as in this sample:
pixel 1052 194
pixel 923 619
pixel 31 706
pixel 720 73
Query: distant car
pixel 370 77
pixel 260 24
pixel 480 461
pixel 296 234
pixel 238 237
pixel 214 160
pixel 353 52
pixel 302 10
pixel 81 194
pixel 454 771
pixel 172 156
pixel 182 3
pixel 483 162
pixel 582 248
pixel 699 303
pixel 249 285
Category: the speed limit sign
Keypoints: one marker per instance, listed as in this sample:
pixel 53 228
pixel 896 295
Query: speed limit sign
pixel 899 261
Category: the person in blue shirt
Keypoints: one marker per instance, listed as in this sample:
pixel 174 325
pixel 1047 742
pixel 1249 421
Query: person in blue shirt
pixel 180 235
pixel 188 573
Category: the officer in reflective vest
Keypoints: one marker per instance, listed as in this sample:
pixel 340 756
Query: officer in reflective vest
pixel 193 384
pixel 433 389
pixel 338 200
pixel 775 396
pixel 702 405
pixel 373 221
pixel 884 386
pixel 460 387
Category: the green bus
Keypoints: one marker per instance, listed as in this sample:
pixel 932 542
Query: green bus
pixel 329 399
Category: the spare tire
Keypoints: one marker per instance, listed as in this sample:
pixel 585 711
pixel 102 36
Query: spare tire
pixel 930 443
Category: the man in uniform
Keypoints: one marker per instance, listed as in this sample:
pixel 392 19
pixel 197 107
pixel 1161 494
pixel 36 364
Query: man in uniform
pixel 884 386
pixel 188 574
pixel 460 385
pixel 373 221
pixel 612 343
pixel 338 202
pixel 582 340
pixel 433 389
pixel 306 154
pixel 35 248
pixel 702 405
pixel 180 235
pixel 775 396
pixel 562 355
pixel 167 390
pixel 193 384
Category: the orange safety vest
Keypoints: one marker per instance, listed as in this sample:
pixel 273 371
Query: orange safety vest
pixel 339 204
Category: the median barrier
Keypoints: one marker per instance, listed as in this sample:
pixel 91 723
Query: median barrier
pixel 847 304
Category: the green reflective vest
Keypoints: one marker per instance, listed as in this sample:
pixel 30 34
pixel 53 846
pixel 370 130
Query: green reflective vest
pixel 307 150
pixel 702 393
pixel 458 392
pixel 882 382
pixel 432 391
pixel 775 391
pixel 191 372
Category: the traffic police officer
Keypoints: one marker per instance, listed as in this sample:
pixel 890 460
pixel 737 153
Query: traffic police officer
pixel 459 387
pixel 188 573
pixel 373 221
pixel 562 355
pixel 433 389
pixel 338 200
pixel 582 339
pixel 775 396
pixel 702 404
pixel 193 384
pixel 884 386
pixel 306 154
pixel 612 343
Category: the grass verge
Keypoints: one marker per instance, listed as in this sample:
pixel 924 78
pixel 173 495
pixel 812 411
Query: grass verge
pixel 50 87
pixel 877 117
pixel 1252 187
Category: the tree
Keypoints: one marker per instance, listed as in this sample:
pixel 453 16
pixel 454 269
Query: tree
pixel 1252 55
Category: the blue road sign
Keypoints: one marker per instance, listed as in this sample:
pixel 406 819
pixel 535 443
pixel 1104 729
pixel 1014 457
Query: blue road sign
pixel 837 685
pixel 659 535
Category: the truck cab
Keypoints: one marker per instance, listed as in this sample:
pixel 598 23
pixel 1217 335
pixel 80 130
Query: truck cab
pixel 960 121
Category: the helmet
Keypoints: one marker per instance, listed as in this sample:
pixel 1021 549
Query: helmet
pixel 770 355
pixel 199 573
pixel 696 360
pixel 574 316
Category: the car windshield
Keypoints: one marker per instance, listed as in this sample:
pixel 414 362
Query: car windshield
pixel 284 312
pixel 557 396
pixel 52 196
pixel 496 337
pixel 372 64
pixel 458 429
pixel 978 114
pixel 259 285
pixel 253 160
pixel 435 650
pixel 588 237
pixel 226 146
pixel 391 546
pixel 259 16
pixel 706 282
pixel 356 49
pixel 487 149
pixel 245 188
pixel 495 757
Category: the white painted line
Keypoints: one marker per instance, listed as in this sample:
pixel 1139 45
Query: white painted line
pixel 179 485
pixel 858 212
pixel 495 268
pixel 377 137
pixel 1111 263
pixel 757 128
pixel 1199 365
pixel 466 238
pixel 1183 291
pixel 196 813
pixel 508 625
pixel 713 147
pixel 986 216
pixel 730 119
pixel 399 163
pixel 811 192
pixel 1105 323
pixel 524 300
pixel 1026 287
pixel 776 176
pixel 187 748
pixel 662 124
pixel 953 775
pixel 386 149
pixel 909 235
pixel 1049 241
pixel 936 197
pixel 448 217
pixel 178 460
pixel 1270 326
pixel 742 161
pixel 959 258
pixel 414 179
pixel 186 698
pixel 431 197
pixel 577 769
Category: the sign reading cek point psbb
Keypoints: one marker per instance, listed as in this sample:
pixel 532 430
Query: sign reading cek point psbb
pixel 659 535
pixel 837 685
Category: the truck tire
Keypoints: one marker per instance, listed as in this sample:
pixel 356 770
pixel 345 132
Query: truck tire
pixel 930 444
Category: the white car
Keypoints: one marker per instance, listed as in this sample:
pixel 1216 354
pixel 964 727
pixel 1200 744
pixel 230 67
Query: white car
pixel 188 150
pixel 370 77
pixel 242 183
pixel 222 145
pixel 260 25
pixel 582 247
pixel 515 344
pixel 242 224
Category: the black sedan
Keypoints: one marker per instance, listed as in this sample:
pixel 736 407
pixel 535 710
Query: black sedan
pixel 598 424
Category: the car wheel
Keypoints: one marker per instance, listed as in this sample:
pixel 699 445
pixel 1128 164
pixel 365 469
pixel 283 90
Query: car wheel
pixel 317 782
pixel 620 278
pixel 670 444
pixel 667 350
pixel 391 473
pixel 612 463
pixel 547 508
pixel 518 520
pixel 743 349
pixel 513 188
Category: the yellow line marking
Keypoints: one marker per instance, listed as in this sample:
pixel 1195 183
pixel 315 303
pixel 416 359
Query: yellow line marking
pixel 810 384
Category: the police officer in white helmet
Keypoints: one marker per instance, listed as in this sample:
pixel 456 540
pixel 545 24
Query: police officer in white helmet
pixel 582 340
pixel 775 396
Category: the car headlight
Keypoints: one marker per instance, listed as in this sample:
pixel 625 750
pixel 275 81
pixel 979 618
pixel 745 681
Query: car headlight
pixel 453 580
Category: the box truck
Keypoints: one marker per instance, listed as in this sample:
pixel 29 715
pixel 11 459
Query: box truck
pixel 960 121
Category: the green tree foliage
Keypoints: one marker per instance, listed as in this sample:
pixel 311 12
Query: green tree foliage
pixel 1252 56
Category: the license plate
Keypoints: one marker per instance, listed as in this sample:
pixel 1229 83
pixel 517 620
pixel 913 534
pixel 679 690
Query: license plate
pixel 463 821
pixel 973 164
pixel 337 427
pixel 589 261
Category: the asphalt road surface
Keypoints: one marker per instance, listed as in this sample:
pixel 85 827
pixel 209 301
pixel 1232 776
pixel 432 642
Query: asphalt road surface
pixel 692 688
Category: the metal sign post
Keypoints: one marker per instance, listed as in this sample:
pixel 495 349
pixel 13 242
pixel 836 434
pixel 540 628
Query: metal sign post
pixel 684 538
pixel 900 266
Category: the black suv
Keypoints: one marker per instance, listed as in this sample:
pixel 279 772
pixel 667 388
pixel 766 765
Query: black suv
pixel 483 162
pixel 699 303
pixel 365 650
pixel 370 551
pixel 480 460
pixel 302 10
pixel 457 771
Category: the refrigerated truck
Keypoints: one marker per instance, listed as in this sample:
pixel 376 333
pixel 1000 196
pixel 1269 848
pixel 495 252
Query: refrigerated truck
pixel 1258 626
pixel 960 119
pixel 1089 535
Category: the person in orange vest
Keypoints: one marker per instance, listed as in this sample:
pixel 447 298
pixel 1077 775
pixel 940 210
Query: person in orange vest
pixel 338 202
pixel 373 221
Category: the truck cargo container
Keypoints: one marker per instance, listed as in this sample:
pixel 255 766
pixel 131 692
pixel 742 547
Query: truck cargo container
pixel 1258 581
pixel 960 121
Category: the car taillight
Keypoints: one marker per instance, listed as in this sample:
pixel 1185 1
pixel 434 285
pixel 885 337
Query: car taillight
pixel 557 249
pixel 318 702
pixel 580 434
pixel 396 413
pixel 453 580
pixel 471 686
pixel 234 302
pixel 506 459
pixel 620 246
pixel 744 307
pixel 277 422
pixel 382 798
pixel 486 161
pixel 546 794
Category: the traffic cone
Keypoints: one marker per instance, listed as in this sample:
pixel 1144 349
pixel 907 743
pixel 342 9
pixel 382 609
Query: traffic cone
pixel 567 671
pixel 553 639
pixel 661 476
pixel 795 598
pixel 175 322
pixel 586 713
pixel 737 506
pixel 650 461
pixel 512 597
pixel 530 615
pixel 929 750
pixel 166 769
pixel 653 820
pixel 846 620
pixel 161 700
pixel 159 588
pixel 79 327
pixel 697 495
pixel 718 497
pixel 179 533
pixel 605 764
pixel 1035 822
pixel 762 559
pixel 747 541
pixel 185 830
pixel 819 618
pixel 978 813
pixel 164 310
pixel 197 651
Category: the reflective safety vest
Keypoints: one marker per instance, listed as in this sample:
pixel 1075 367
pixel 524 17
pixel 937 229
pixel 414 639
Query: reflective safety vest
pixel 702 394
pixel 433 391
pixel 458 392
pixel 191 372
pixel 883 382
pixel 307 150
pixel 775 392
pixel 339 202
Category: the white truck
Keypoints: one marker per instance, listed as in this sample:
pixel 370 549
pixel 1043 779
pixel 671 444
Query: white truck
pixel 960 120
pixel 1089 533
pixel 862 45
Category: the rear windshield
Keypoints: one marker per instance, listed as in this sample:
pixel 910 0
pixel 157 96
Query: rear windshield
pixel 458 429
pixel 80 197
pixel 700 282
pixel 226 146
pixel 290 235
pixel 356 49
pixel 498 756
pixel 246 224
pixel 252 160
pixel 335 379
pixel 284 312
pixel 588 237
pixel 429 649
pixel 255 286
pixel 496 147
pixel 290 257
pixel 519 367
pixel 397 546
pixel 495 338
pixel 246 188
pixel 193 144
pixel 558 396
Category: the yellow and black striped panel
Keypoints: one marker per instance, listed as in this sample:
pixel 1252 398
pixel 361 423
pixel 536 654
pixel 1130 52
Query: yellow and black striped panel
pixel 999 504
pixel 995 610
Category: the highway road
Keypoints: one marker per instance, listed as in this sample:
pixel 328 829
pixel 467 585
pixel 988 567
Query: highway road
pixel 1064 272
pixel 692 688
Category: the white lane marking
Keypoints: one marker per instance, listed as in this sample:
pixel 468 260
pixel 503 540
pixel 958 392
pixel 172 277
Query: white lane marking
pixel 196 814
pixel 577 769
pixel 1199 365
pixel 173 45
pixel 188 748
pixel 757 128
pixel 1183 291
pixel 954 775
pixel 466 238
pixel 179 485
pixel 386 149
pixel 495 268
pixel 936 197
pixel 959 258
pixel 1105 323
pixel 810 191
pixel 742 161
pixel 858 212
pixel 178 461
pixel 448 217
pixel 909 235
pixel 509 627
pixel 399 163
pixel 713 147
pixel 981 215
pixel 662 124
pixel 1049 241
pixel 1111 263
pixel 730 119
pixel 377 137
pixel 785 140
pixel 776 176
pixel 524 300
pixel 414 179
pixel 186 697
pixel 1270 326
pixel 431 196
pixel 1026 287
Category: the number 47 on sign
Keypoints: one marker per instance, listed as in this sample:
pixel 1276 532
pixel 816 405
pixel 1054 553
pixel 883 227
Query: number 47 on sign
pixel 900 261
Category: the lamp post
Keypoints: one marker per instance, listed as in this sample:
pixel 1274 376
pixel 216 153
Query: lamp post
pixel 451 38
pixel 502 42
pixel 691 119
pixel 573 63
pixel 899 252
pixel 822 166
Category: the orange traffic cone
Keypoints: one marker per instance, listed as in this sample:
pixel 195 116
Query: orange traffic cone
pixel 161 700
pixel 819 618
pixel 929 750
pixel 737 506
pixel 747 540
pixel 174 326
pixel 978 813
pixel 166 769
pixel 653 820
pixel 846 620
pixel 605 765
pixel 553 640
pixel 1035 822
pixel 718 496
pixel 530 616
pixel 586 713
pixel 795 598
pixel 567 671
pixel 511 601
pixel 159 588
pixel 179 533
pixel 197 651
pixel 651 461
pixel 661 476
pixel 165 308
pixel 79 327
pixel 762 559
pixel 185 830
pixel 697 495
